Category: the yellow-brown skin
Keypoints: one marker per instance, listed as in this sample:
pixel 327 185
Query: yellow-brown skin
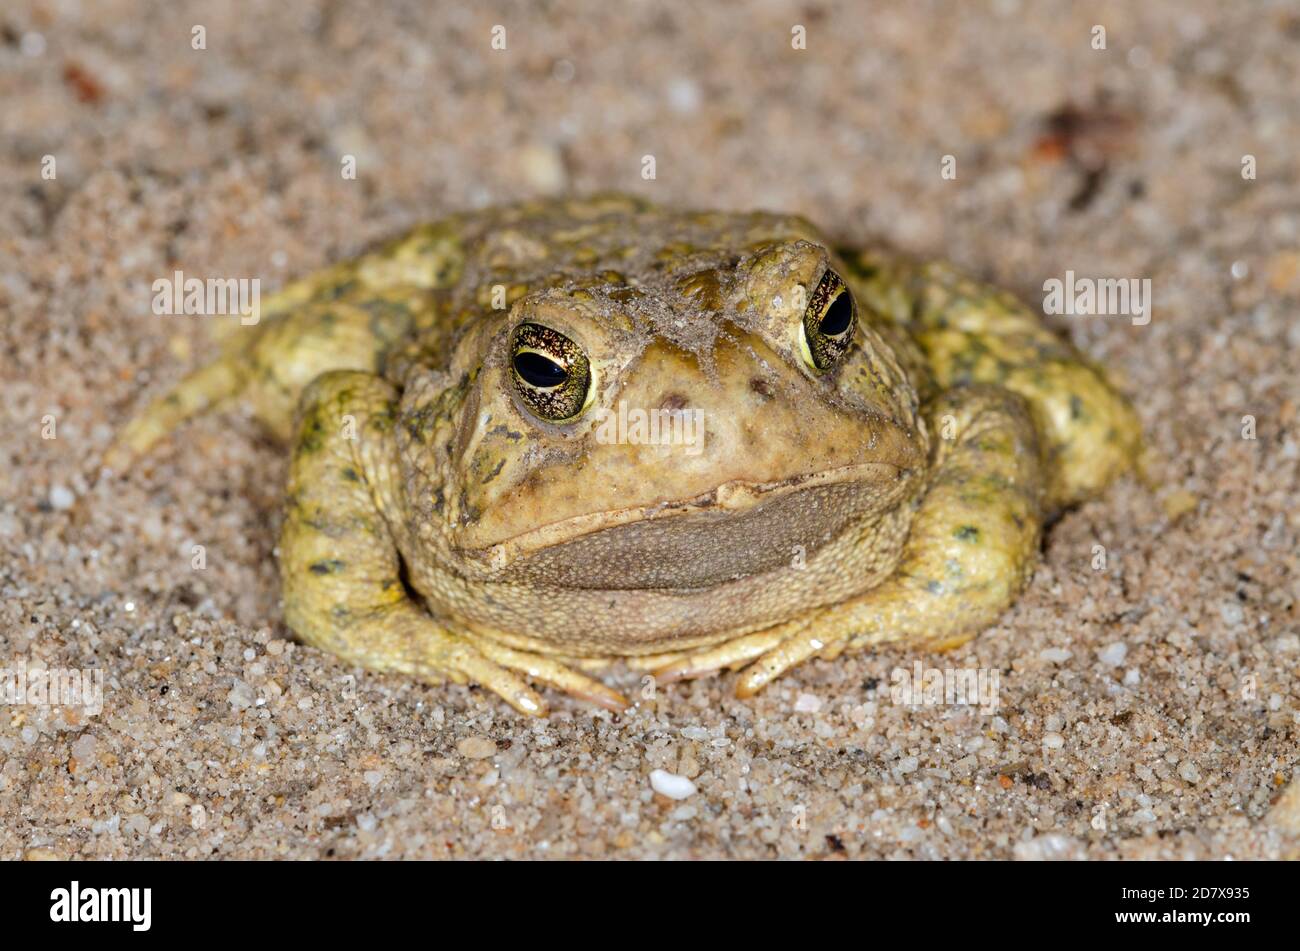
pixel 439 524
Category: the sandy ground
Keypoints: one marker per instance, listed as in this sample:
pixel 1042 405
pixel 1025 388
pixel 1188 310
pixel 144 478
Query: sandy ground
pixel 1147 707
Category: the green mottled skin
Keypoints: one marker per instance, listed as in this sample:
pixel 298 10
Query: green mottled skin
pixel 445 521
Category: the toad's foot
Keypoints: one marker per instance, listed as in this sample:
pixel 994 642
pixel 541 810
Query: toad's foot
pixel 545 670
pixel 342 587
pixel 973 544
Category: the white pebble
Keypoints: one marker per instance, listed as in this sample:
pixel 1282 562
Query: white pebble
pixel 241 695
pixel 1132 677
pixel 671 785
pixel 1189 771
pixel 1112 655
pixel 1231 613
pixel 1048 847
pixel 1053 741
pixel 1054 655
pixel 32 44
pixel 83 751
pixel 683 96
pixel 807 703
pixel 61 497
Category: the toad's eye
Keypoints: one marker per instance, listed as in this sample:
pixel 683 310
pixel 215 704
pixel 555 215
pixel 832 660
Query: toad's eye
pixel 829 323
pixel 551 373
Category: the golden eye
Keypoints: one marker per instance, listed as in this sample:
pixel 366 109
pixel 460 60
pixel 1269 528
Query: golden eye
pixel 829 323
pixel 552 374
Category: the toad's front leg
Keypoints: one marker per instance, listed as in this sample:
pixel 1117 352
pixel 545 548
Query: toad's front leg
pixel 972 546
pixel 341 570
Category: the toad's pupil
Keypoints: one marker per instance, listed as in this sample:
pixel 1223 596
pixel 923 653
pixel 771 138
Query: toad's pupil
pixel 836 319
pixel 539 371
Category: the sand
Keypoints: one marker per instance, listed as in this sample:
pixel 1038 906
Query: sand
pixel 1148 706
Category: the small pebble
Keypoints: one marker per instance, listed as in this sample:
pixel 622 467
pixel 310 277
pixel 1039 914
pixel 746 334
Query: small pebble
pixel 241 695
pixel 683 96
pixel 83 751
pixel 1053 741
pixel 1231 613
pixel 476 747
pixel 1051 846
pixel 1112 655
pixel 61 497
pixel 807 703
pixel 542 167
pixel 671 785
pixel 32 44
pixel 42 855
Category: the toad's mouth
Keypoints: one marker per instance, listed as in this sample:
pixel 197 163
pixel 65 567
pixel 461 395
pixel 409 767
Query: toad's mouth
pixel 737 529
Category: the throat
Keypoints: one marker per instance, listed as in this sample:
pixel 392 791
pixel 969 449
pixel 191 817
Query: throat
pixel 706 548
